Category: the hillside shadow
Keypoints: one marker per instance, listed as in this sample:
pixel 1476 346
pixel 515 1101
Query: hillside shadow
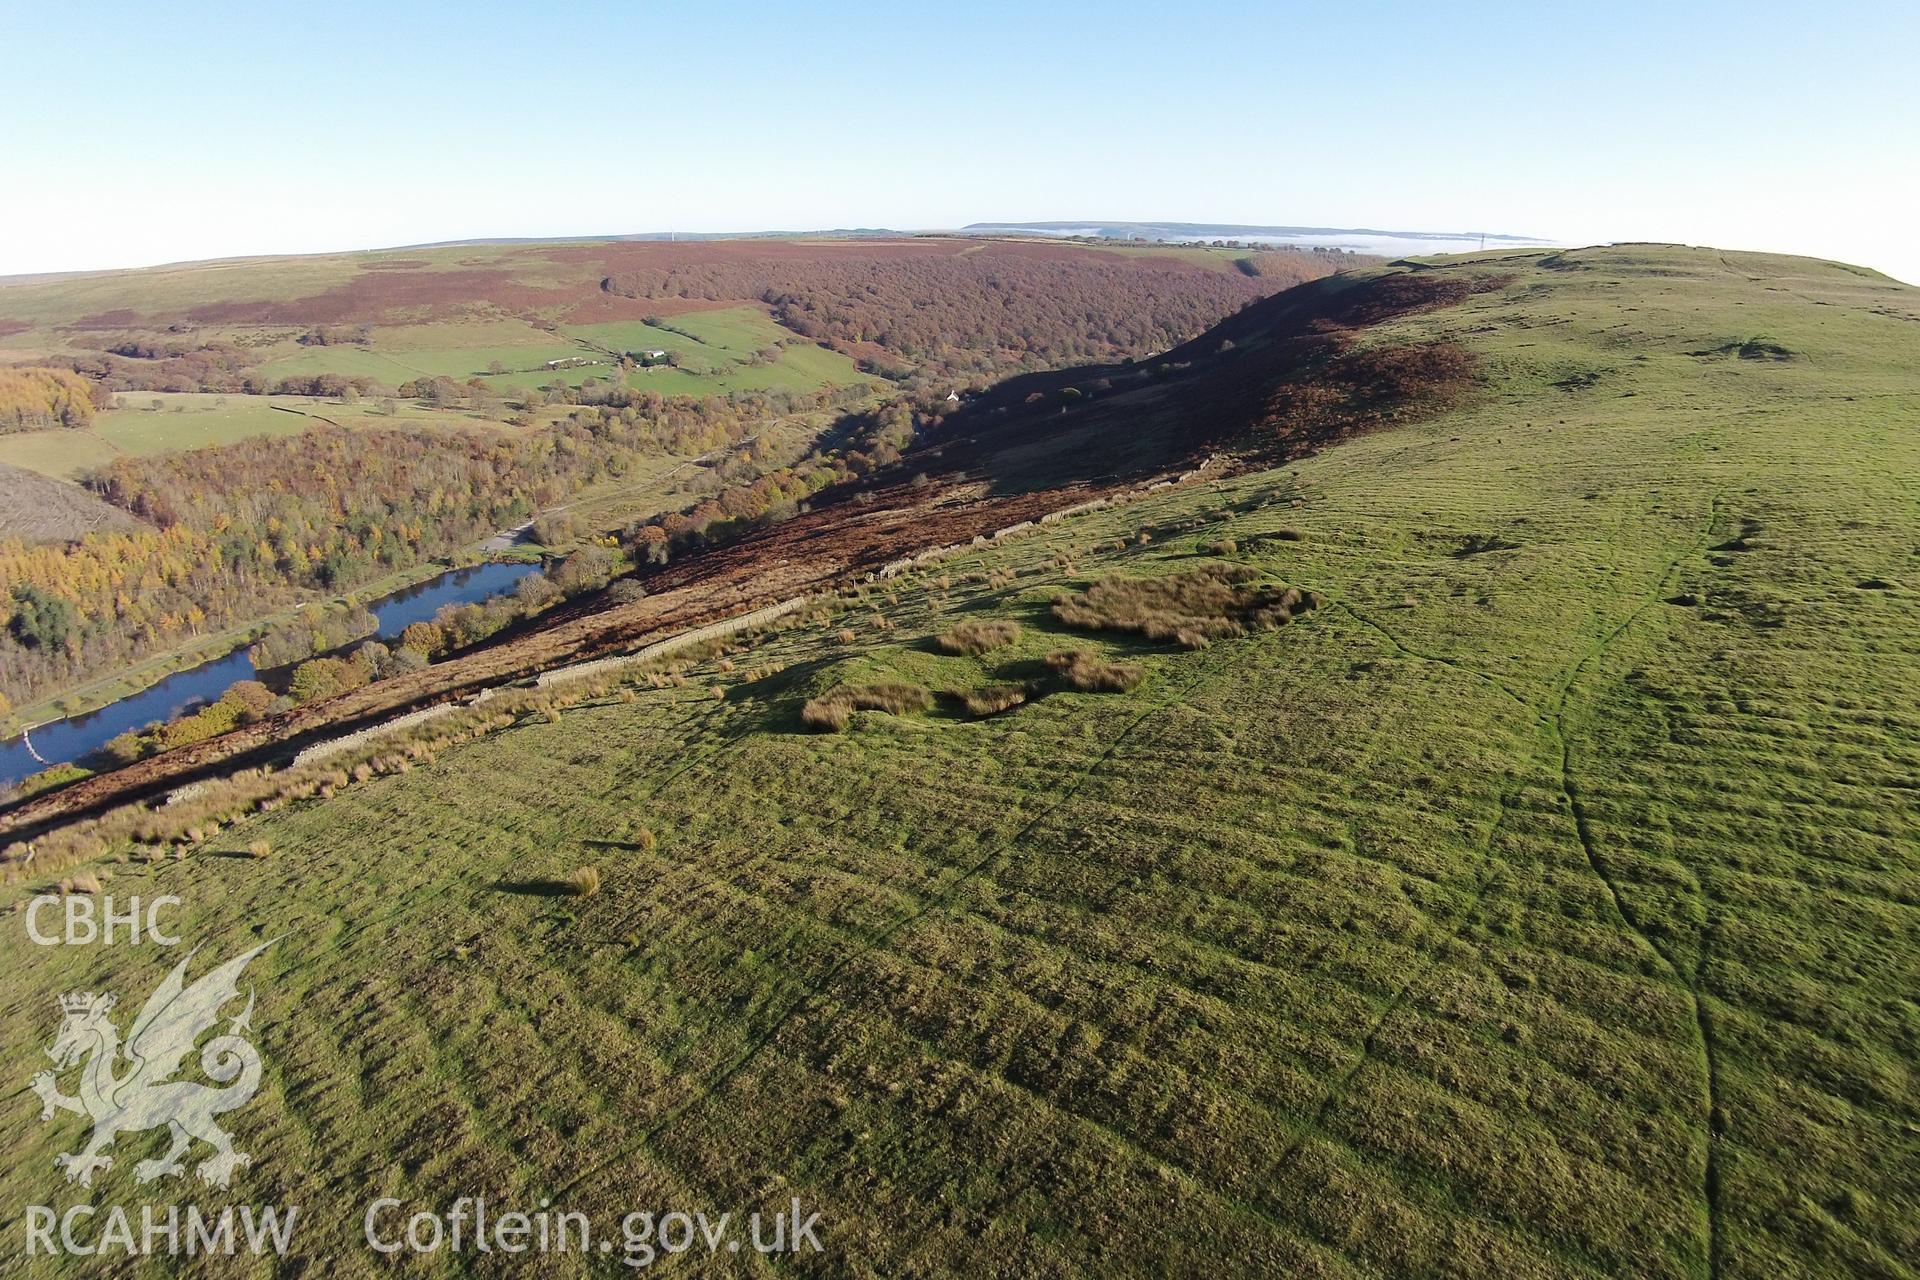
pixel 1280 378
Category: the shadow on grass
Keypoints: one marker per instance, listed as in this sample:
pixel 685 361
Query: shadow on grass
pixel 537 888
pixel 788 680
pixel 1481 544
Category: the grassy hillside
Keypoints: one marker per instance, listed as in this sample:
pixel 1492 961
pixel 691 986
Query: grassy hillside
pixel 1544 904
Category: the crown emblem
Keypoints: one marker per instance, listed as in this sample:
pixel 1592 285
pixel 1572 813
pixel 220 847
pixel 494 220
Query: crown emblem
pixel 80 1002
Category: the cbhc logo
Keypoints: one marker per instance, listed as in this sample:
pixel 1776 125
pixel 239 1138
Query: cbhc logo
pixel 83 921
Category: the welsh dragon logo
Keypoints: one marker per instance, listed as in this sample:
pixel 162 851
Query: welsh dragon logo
pixel 131 1088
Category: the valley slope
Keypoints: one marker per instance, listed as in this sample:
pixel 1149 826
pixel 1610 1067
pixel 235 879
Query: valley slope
pixel 277 434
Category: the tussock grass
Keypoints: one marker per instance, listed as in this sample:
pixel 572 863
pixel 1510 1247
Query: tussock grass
pixel 1082 671
pixel 584 882
pixel 832 711
pixel 975 636
pixel 1190 609
pixel 993 699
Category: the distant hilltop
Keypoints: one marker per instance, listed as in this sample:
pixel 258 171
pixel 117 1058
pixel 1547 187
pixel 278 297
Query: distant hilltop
pixel 1353 239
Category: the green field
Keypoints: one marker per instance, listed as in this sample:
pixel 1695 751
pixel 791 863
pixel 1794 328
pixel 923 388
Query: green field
pixel 1544 905
pixel 710 349
pixel 456 362
pixel 63 454
pixel 147 422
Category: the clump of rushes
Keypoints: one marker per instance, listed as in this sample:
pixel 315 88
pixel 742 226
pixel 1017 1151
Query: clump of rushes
pixel 260 849
pixel 584 883
pixel 1082 671
pixel 994 698
pixel 974 636
pixel 831 711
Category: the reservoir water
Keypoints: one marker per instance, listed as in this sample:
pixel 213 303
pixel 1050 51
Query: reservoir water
pixel 61 741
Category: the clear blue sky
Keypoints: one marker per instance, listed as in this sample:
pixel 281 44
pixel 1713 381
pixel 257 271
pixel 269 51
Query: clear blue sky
pixel 133 134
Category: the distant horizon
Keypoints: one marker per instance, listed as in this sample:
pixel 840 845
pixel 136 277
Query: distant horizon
pixel 1247 230
pixel 1036 228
